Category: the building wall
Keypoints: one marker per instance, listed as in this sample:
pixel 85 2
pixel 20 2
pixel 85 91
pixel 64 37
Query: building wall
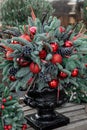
pixel 67 11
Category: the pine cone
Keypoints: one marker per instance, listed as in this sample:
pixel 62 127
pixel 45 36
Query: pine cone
pixel 65 51
pixel 47 77
pixel 13 71
pixel 26 50
pixel 41 75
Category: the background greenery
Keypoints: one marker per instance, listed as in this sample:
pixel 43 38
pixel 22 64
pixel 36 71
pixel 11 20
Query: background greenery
pixel 16 12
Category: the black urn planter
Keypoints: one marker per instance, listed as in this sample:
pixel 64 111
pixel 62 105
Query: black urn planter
pixel 45 101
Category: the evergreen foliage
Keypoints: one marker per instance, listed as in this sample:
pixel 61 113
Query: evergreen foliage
pixel 16 12
pixel 11 114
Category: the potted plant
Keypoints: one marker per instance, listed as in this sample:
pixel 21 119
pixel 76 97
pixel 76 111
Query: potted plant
pixel 46 59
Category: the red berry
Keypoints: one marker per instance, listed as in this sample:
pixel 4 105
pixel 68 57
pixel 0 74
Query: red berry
pixel 10 97
pixel 15 42
pixel 9 127
pixel 12 78
pixel 33 30
pixel 56 58
pixel 86 65
pixel 25 126
pixel 68 44
pixel 54 46
pixel 2 107
pixel 42 54
pixel 26 37
pixel 53 83
pixel 22 62
pixel 74 73
pixel 34 68
pixel 4 100
pixel 61 29
pixel 63 75
pixel 5 127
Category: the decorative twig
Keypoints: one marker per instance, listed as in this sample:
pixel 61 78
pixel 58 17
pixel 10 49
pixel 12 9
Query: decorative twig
pixel 31 83
pixel 44 17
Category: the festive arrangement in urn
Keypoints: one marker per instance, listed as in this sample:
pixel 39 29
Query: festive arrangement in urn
pixel 46 57
pixel 46 54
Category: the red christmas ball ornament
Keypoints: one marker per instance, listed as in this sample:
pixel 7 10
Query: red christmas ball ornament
pixel 63 75
pixel 12 78
pixel 26 37
pixel 22 62
pixel 34 68
pixel 25 126
pixel 53 83
pixel 86 65
pixel 61 29
pixel 4 100
pixel 15 42
pixel 10 97
pixel 42 54
pixel 9 127
pixel 7 55
pixel 75 72
pixel 5 127
pixel 54 46
pixel 2 107
pixel 68 44
pixel 56 58
pixel 33 30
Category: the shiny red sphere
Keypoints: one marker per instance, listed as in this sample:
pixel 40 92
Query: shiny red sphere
pixel 22 62
pixel 34 68
pixel 33 30
pixel 63 75
pixel 61 29
pixel 25 126
pixel 15 42
pixel 86 65
pixel 2 107
pixel 42 54
pixel 68 44
pixel 7 55
pixel 56 58
pixel 54 46
pixel 53 83
pixel 12 78
pixel 10 97
pixel 9 127
pixel 5 127
pixel 75 72
pixel 4 100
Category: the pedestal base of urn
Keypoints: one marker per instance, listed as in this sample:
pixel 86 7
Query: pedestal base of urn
pixel 37 124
